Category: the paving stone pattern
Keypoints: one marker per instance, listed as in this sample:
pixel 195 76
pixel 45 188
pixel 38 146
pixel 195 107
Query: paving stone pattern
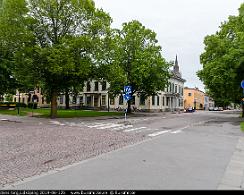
pixel 28 149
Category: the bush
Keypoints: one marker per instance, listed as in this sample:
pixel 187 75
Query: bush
pixel 32 105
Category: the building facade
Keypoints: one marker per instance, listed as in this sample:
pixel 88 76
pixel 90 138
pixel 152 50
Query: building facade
pixel 195 98
pixel 95 96
pixel 32 96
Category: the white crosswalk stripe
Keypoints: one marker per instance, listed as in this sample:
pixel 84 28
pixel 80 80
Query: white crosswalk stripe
pixel 109 126
pixel 135 129
pixel 99 125
pixel 158 133
pixel 123 127
pixel 177 131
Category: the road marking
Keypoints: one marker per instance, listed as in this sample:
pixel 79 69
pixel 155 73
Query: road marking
pixel 100 125
pixel 177 131
pixel 4 119
pixel 123 127
pixel 129 130
pixel 158 133
pixel 55 122
pixel 109 126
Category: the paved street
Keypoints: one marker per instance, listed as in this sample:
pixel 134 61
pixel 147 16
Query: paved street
pixel 202 150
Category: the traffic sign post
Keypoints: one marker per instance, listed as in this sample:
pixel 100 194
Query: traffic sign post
pixel 242 84
pixel 128 89
pixel 127 95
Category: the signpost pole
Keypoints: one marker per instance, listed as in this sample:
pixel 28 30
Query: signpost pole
pixel 242 102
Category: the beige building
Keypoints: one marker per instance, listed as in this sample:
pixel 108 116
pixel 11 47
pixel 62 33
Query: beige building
pixel 31 96
pixel 193 97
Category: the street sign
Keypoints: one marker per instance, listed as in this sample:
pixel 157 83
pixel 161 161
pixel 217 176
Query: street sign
pixel 127 97
pixel 242 84
pixel 128 89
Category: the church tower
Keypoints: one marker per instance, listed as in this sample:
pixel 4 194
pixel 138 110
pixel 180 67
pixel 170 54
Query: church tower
pixel 176 69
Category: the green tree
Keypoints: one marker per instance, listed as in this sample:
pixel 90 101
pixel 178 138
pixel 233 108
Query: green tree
pixel 133 57
pixel 62 36
pixel 223 61
pixel 10 40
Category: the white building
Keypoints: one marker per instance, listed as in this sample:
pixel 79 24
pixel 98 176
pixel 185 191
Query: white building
pixel 95 96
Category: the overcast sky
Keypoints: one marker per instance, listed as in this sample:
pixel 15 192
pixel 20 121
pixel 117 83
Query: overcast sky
pixel 181 26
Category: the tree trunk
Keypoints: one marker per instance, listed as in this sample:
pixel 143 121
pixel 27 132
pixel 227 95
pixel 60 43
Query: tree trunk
pixel 67 99
pixel 129 106
pixel 54 104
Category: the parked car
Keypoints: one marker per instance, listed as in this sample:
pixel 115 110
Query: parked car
pixel 190 109
pixel 211 108
pixel 220 109
pixel 216 108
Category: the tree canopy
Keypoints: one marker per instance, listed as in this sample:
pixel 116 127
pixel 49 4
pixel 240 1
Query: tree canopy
pixel 223 61
pixel 59 39
pixel 135 59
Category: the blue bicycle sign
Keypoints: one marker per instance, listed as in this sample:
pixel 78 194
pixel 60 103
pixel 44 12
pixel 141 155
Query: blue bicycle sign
pixel 127 97
pixel 128 89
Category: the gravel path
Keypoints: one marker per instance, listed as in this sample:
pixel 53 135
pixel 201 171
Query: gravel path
pixel 30 148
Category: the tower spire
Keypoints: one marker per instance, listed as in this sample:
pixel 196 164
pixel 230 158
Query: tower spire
pixel 176 66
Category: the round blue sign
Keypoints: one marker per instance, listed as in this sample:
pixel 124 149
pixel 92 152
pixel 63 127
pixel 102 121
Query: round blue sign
pixel 242 84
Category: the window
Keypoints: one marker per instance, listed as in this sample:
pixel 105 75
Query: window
pixel 61 100
pixel 157 100
pixel 74 100
pixel 175 88
pixel 133 100
pixel 163 101
pixel 96 86
pixel 88 86
pixel 121 100
pixel 189 94
pixel 172 87
pixel 142 100
pixel 112 101
pixel 167 101
pixel 169 87
pixel 103 100
pixel 81 99
pixel 104 85
pixel 153 100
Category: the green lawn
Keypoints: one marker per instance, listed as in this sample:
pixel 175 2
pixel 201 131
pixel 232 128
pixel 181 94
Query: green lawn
pixel 42 112
pixel 242 126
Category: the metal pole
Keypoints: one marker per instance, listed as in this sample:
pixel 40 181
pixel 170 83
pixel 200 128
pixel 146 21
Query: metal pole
pixel 19 104
pixel 108 101
pixel 125 111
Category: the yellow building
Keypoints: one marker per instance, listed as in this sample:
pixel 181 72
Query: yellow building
pixel 193 97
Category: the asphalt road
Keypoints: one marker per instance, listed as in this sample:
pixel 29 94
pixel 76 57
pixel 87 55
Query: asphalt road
pixel 202 150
